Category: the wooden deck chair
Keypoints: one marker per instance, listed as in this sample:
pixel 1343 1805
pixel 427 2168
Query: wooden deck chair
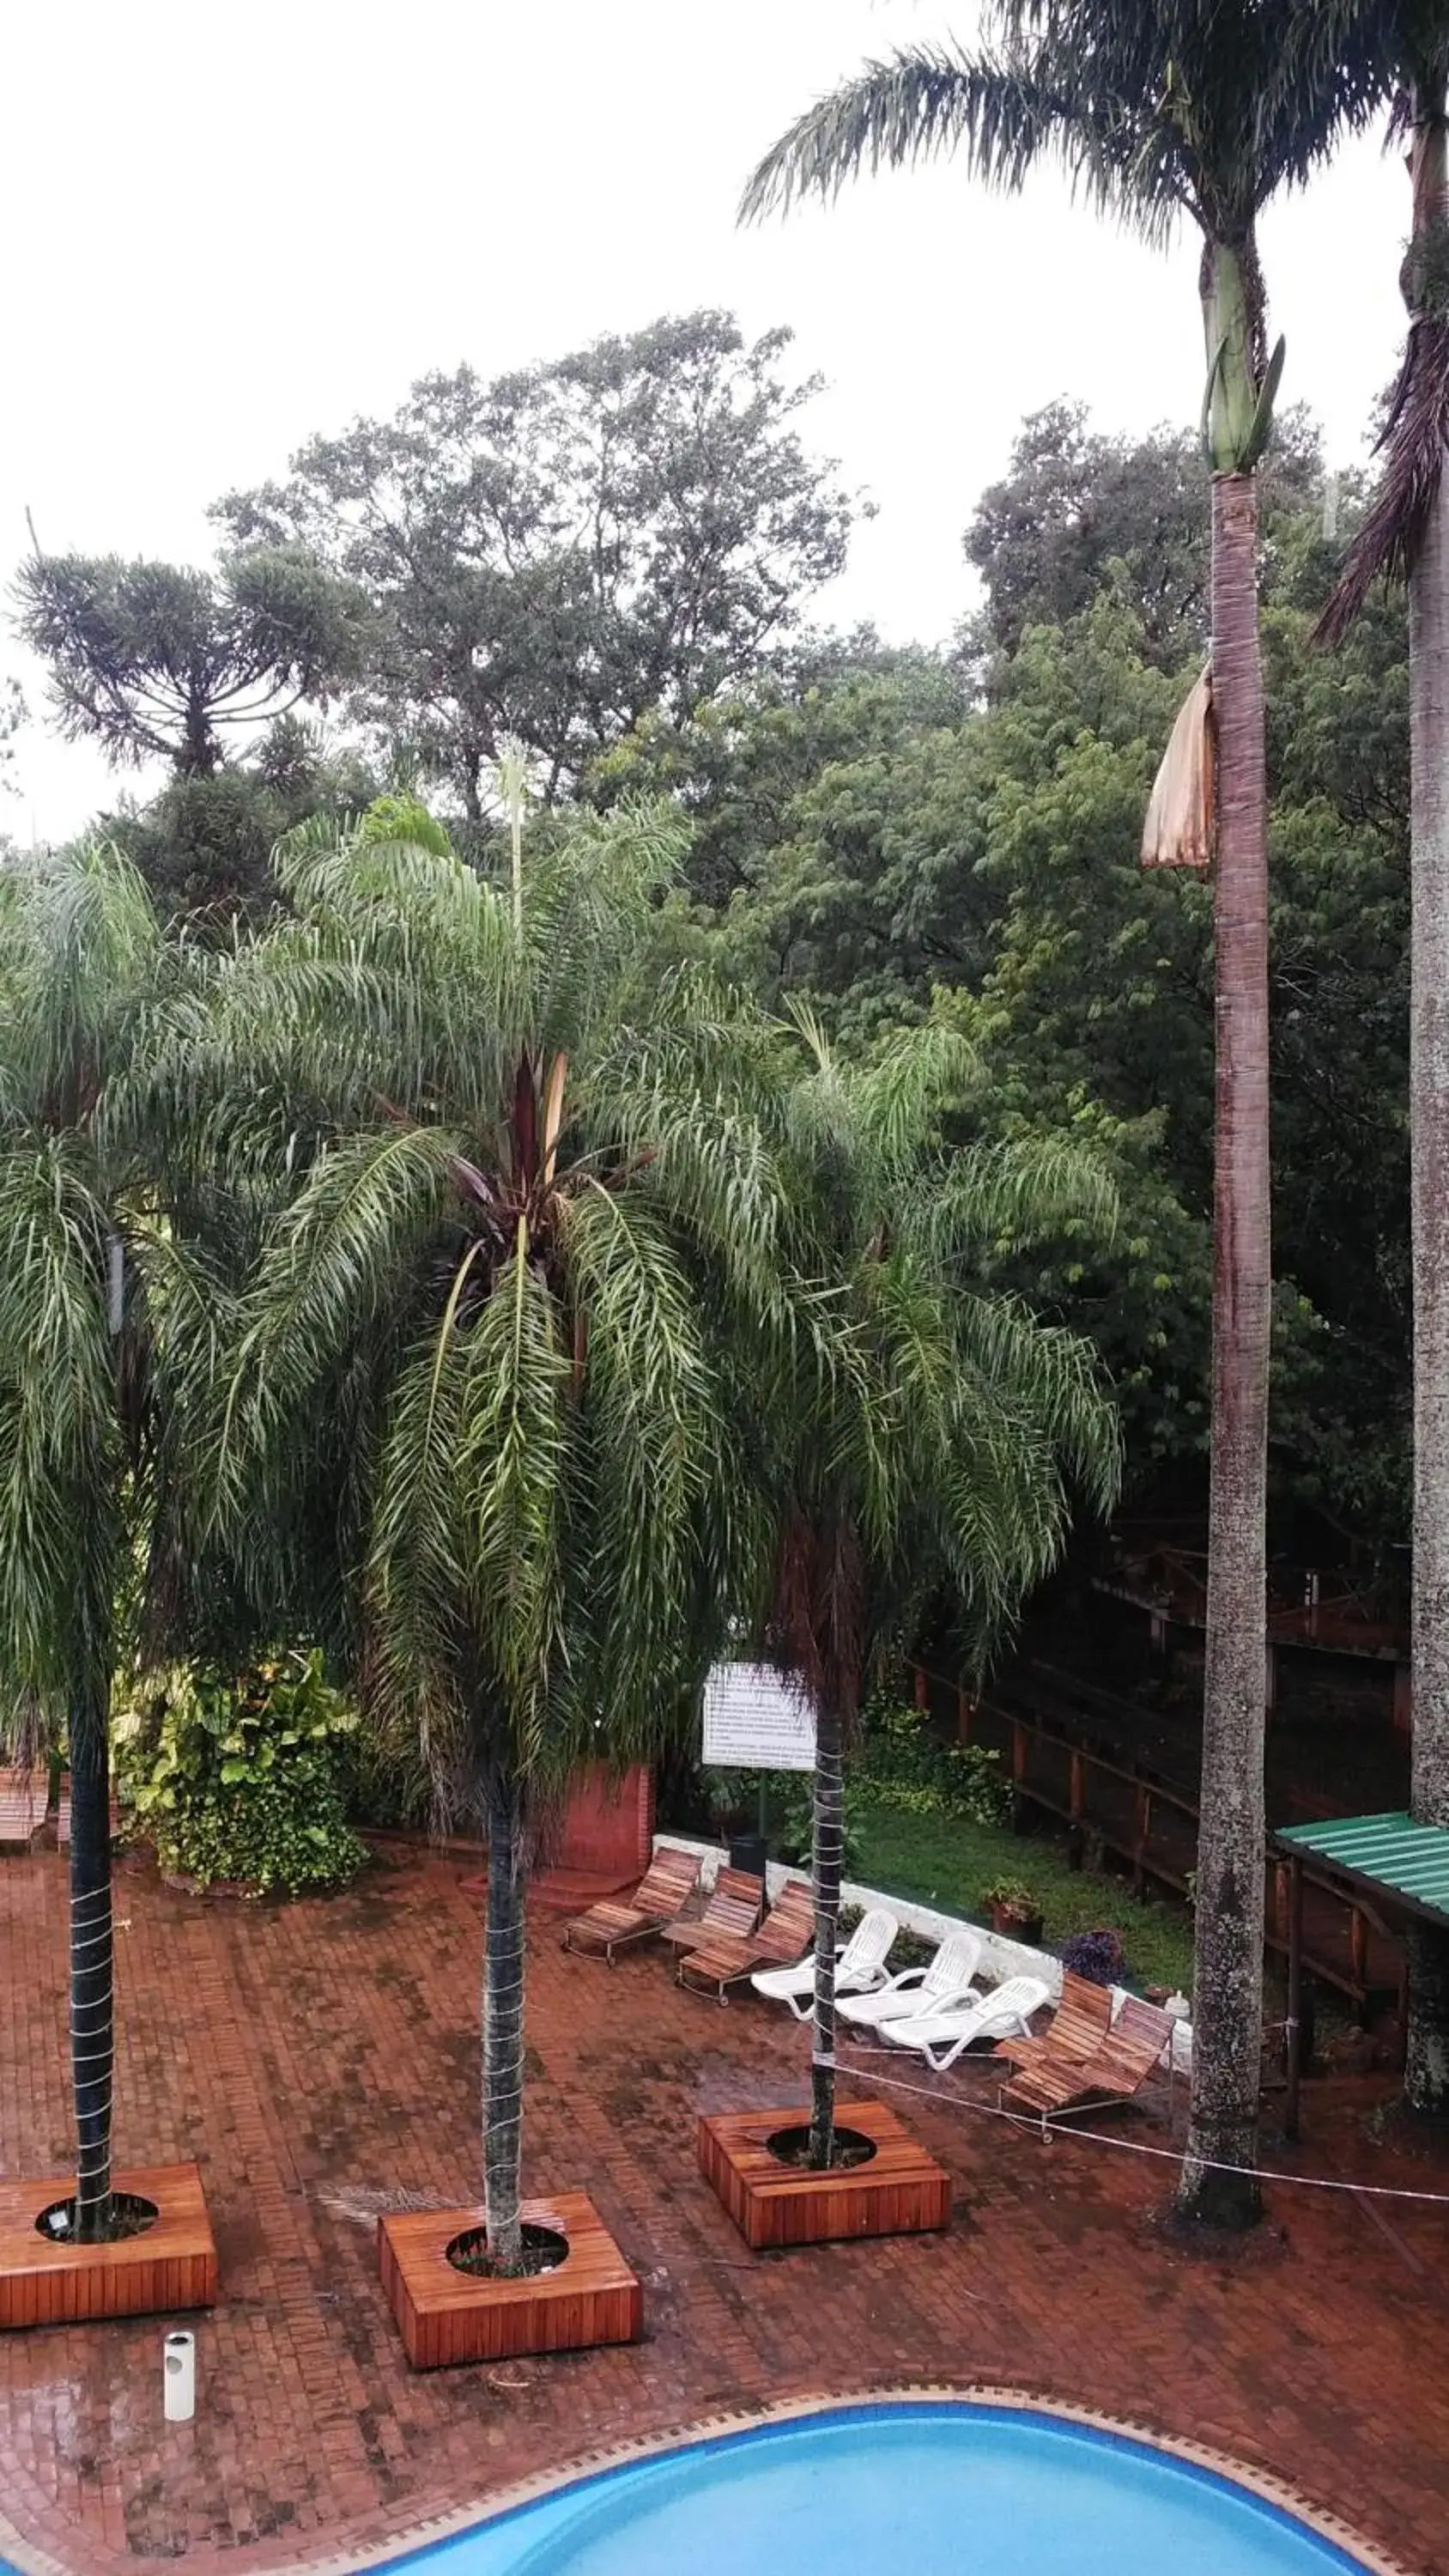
pixel 788 1930
pixel 732 1908
pixel 22 1805
pixel 616 1922
pixel 1076 2031
pixel 1128 2057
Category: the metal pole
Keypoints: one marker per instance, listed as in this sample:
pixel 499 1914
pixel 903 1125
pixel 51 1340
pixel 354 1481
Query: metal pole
pixel 1295 1991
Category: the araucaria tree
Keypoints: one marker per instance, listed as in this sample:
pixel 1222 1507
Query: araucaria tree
pixel 155 662
pixel 79 956
pixel 476 1370
pixel 1162 109
pixel 933 1429
pixel 1406 535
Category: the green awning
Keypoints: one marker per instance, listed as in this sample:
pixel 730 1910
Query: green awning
pixel 1390 1853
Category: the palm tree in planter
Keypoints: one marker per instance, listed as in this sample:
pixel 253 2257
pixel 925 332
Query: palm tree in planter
pixel 1161 109
pixel 81 970
pixel 934 1448
pixel 519 1211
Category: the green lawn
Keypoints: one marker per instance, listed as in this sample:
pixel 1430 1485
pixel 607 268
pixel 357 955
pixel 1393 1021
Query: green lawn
pixel 946 1861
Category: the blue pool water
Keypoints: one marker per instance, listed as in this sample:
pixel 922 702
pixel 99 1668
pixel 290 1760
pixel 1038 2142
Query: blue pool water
pixel 912 2490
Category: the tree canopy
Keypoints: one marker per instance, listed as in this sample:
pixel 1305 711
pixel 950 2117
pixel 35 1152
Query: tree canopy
pixel 556 553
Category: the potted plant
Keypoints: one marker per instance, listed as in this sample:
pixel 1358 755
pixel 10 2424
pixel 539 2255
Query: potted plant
pixel 1097 1956
pixel 1016 1911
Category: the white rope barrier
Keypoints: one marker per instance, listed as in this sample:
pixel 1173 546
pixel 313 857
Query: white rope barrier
pixel 1139 2147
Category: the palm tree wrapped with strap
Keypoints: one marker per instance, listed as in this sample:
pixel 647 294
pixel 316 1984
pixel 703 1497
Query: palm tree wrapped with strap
pixel 81 975
pixel 473 1409
pixel 928 1443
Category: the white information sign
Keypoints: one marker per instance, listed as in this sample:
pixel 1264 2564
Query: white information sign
pixel 756 1720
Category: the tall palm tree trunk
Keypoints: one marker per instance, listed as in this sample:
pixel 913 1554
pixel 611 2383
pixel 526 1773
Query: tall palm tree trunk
pixel 1228 1969
pixel 1426 2073
pixel 828 1847
pixel 503 2025
pixel 92 1964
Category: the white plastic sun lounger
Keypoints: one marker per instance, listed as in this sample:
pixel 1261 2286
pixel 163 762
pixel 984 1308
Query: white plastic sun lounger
pixel 947 1978
pixel 859 1968
pixel 941 2036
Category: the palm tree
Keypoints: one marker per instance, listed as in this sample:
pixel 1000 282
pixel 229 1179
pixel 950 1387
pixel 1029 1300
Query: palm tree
pixel 1406 534
pixel 79 965
pixel 1164 109
pixel 931 1450
pixel 474 1407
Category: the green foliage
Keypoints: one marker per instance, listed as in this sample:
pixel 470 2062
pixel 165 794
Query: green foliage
pixel 80 966
pixel 889 854
pixel 556 554
pixel 904 1764
pixel 1079 511
pixel 243 1777
pixel 475 1403
pixel 204 843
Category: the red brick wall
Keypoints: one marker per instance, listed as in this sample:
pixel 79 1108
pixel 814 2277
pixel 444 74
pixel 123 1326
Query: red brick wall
pixel 609 1822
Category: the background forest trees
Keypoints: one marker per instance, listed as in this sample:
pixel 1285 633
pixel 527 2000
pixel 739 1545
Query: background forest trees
pixel 611 558
pixel 872 825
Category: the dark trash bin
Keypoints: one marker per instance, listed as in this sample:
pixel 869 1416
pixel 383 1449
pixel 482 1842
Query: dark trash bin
pixel 749 1852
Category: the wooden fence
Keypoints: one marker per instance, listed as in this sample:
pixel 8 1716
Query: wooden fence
pixel 1126 1812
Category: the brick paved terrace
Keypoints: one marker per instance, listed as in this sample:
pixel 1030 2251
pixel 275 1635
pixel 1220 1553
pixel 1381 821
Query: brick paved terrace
pixel 320 2059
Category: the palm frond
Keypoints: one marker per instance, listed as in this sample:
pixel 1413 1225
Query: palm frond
pixel 919 103
pixel 1414 441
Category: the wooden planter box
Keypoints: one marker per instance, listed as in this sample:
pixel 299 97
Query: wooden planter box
pixel 172 2266
pixel 900 2191
pixel 445 2315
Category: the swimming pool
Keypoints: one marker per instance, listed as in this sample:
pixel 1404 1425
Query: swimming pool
pixel 927 2489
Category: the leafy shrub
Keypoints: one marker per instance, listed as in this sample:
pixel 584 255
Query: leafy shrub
pixel 243 1777
pixel 903 1764
pixel 1097 1956
pixel 388 1784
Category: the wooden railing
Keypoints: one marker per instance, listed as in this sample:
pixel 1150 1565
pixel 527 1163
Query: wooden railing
pixel 1152 1825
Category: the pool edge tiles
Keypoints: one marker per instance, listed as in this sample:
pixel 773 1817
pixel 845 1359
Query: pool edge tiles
pixel 578 2490
pixel 566 2485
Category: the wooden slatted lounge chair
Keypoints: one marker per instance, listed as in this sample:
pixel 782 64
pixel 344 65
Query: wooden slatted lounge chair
pixel 859 1970
pixel 616 1922
pixel 942 2036
pixel 724 1960
pixel 949 1977
pixel 23 1796
pixel 732 1908
pixel 1115 2073
pixel 1077 2029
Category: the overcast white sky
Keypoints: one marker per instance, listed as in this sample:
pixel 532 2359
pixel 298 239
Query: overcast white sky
pixel 227 229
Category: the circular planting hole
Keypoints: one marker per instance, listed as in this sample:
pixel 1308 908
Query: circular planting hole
pixel 130 2216
pixel 543 2251
pixel 848 2147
